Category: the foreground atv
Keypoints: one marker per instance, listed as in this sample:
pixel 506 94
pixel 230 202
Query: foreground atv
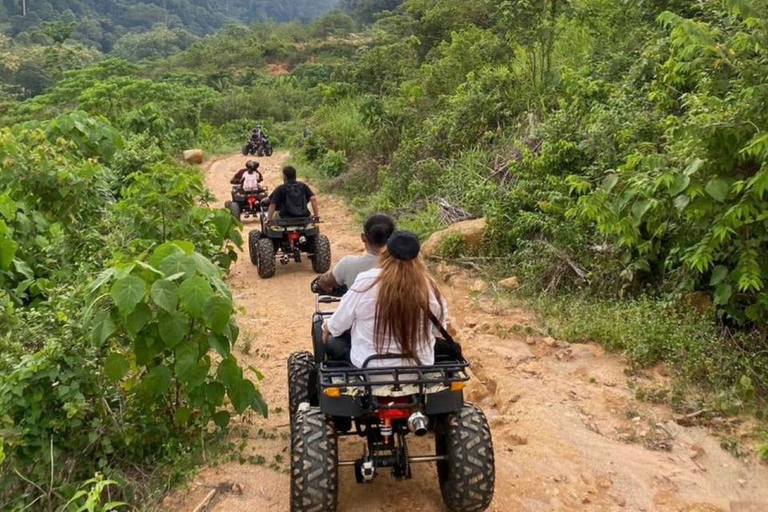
pixel 286 240
pixel 247 204
pixel 384 405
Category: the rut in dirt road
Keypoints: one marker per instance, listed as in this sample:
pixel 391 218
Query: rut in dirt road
pixel 568 432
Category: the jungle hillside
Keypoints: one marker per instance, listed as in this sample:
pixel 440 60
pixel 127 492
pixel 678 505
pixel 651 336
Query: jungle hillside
pixel 615 150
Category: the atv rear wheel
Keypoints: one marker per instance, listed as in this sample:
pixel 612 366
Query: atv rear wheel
pixel 300 371
pixel 321 254
pixel 234 208
pixel 253 245
pixel 265 258
pixel 314 463
pixel 467 477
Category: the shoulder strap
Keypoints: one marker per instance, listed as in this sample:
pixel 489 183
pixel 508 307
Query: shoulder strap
pixel 446 336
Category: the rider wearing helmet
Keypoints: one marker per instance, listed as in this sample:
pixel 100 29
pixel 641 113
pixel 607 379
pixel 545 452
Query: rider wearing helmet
pixel 250 168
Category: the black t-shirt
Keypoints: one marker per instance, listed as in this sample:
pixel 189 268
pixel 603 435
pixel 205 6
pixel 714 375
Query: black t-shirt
pixel 290 199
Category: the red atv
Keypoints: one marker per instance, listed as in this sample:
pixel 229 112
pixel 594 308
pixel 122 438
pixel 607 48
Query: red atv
pixel 252 203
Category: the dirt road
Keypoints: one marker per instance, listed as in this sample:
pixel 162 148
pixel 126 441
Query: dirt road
pixel 568 432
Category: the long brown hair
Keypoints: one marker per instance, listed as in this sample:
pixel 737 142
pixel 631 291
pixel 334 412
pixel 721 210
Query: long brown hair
pixel 402 308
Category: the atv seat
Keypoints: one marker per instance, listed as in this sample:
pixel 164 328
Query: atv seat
pixel 292 223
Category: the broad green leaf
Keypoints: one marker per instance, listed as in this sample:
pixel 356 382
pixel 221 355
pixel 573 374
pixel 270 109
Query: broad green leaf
pixel 7 252
pixel 694 167
pixel 101 280
pixel 639 209
pixel 718 188
pixel 682 201
pixel 189 367
pixel 165 294
pixel 127 293
pixel 259 404
pixel 187 247
pixel 216 313
pixel 138 318
pixel 116 366
pixel 681 183
pixel 103 327
pixel 723 294
pixel 718 275
pixel 223 221
pixel 242 395
pixel 178 263
pixel 156 382
pixel 173 328
pixel 162 252
pixel 229 373
pixel 8 208
pixel 194 291
pixel 214 393
pixel 150 268
pixel 205 267
pixel 182 415
pixel 220 344
pixel 221 419
pixel 610 181
pixel 146 348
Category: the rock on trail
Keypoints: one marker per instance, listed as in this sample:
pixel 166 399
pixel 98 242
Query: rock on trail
pixel 568 432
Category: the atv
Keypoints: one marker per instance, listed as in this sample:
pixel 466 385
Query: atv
pixel 263 148
pixel 247 203
pixel 383 405
pixel 286 240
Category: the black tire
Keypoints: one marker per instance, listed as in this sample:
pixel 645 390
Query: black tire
pixel 253 242
pixel 234 208
pixel 468 477
pixel 265 258
pixel 301 366
pixel 226 204
pixel 246 149
pixel 268 151
pixel 321 254
pixel 314 463
pixel 260 151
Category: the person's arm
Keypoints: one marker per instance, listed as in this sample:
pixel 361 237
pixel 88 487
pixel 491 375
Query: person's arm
pixel 261 177
pixel 327 282
pixel 315 208
pixel 237 177
pixel 344 317
pixel 271 212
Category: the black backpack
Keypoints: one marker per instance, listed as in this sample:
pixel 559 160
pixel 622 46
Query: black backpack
pixel 295 201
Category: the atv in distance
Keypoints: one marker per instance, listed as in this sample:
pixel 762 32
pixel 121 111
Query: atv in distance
pixel 251 203
pixel 286 240
pixel 384 405
pixel 261 148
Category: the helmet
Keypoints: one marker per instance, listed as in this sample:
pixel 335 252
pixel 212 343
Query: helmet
pixel 252 165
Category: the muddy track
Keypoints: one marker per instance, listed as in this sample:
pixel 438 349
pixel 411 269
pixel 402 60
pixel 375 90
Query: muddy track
pixel 568 432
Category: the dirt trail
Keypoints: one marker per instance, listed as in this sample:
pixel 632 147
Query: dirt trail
pixel 568 432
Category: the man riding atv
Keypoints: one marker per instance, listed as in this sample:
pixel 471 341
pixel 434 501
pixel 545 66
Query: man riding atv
pixel 289 200
pixel 248 196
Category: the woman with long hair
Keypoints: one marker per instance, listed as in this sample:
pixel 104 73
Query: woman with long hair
pixel 393 309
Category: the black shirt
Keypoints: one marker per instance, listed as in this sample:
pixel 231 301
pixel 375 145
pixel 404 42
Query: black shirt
pixel 290 199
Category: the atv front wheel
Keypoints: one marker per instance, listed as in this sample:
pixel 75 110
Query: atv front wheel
pixel 265 258
pixel 467 477
pixel 246 150
pixel 321 254
pixel 253 245
pixel 269 151
pixel 300 369
pixel 234 208
pixel 314 463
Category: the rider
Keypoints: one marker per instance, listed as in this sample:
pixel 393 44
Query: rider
pixel 251 167
pixel 394 309
pixel 376 231
pixel 258 135
pixel 289 200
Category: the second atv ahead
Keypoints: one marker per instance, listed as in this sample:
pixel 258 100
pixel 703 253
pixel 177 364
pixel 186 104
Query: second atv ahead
pixel 384 405
pixel 263 148
pixel 247 203
pixel 287 240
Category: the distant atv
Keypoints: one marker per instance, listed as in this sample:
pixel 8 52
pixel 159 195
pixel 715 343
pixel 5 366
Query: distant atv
pixel 286 240
pixel 263 148
pixel 246 204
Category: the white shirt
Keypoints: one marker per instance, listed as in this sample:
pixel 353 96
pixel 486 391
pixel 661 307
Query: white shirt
pixel 357 312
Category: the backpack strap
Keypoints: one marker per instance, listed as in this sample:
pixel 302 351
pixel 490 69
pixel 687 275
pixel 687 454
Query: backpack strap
pixel 446 336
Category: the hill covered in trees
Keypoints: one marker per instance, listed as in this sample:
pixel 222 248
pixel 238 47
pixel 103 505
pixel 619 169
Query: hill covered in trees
pixel 102 22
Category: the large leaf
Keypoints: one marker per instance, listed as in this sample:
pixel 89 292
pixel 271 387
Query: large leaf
pixel 138 318
pixel 173 328
pixel 103 327
pixel 242 395
pixel 718 188
pixel 259 404
pixel 220 344
pixel 205 267
pixel 221 419
pixel 216 313
pixel 189 367
pixel 718 275
pixel 127 293
pixel 723 294
pixel 194 291
pixel 8 208
pixel 178 263
pixel 162 252
pixel 157 381
pixel 681 183
pixel 116 366
pixel 165 294
pixel 229 373
pixel 7 252
pixel 214 393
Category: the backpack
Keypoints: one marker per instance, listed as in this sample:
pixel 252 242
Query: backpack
pixel 295 201
pixel 251 181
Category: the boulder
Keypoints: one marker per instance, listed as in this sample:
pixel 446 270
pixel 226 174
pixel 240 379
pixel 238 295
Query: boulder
pixel 470 230
pixel 193 156
pixel 480 286
pixel 510 283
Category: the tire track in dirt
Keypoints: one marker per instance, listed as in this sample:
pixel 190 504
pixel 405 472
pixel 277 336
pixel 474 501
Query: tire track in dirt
pixel 568 432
